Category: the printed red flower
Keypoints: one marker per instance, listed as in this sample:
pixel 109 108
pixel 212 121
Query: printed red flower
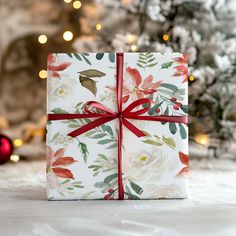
pixel 182 68
pixel 134 86
pixel 55 67
pixel 183 171
pixel 56 160
pixel 184 160
pixel 182 60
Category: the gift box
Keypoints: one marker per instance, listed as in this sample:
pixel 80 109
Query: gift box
pixel 117 126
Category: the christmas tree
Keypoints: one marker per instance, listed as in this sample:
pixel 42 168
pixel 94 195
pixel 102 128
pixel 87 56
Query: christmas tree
pixel 203 30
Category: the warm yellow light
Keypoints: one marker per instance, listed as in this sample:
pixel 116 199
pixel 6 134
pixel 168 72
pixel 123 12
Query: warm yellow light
pixel 131 38
pixel 165 37
pixel 191 78
pixel 43 74
pixel 67 1
pixel 14 158
pixel 76 4
pixel 42 39
pixel 202 139
pixel 126 2
pixel 133 48
pixel 98 26
pixel 18 142
pixel 68 35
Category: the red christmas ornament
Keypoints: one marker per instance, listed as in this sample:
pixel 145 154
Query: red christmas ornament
pixel 6 148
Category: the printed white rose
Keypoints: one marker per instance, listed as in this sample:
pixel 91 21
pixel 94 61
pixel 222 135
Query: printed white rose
pixel 164 191
pixel 146 165
pixel 58 90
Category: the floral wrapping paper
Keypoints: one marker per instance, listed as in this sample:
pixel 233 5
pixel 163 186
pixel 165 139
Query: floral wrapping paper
pixel 85 167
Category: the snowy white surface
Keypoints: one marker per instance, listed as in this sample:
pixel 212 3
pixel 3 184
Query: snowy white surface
pixel 209 210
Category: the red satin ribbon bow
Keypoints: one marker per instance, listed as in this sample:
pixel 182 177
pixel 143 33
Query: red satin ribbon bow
pixel 105 115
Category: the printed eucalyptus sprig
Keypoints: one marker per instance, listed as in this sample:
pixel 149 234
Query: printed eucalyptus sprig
pixel 83 149
pixel 103 164
pixel 168 101
pixel 159 141
pixel 80 57
pixel 70 185
pixel 104 136
pixel 146 59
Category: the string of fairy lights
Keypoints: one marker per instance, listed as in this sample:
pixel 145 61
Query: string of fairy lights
pixel 68 36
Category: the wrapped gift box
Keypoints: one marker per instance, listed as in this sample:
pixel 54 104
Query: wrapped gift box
pixel 110 160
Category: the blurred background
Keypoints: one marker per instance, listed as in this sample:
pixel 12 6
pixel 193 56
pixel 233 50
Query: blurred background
pixel 203 29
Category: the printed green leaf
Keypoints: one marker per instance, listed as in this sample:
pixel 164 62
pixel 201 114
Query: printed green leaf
pixel 99 56
pixel 89 133
pixel 92 73
pixel 166 112
pixel 151 65
pixel 97 136
pixel 103 156
pixel 101 185
pixel 169 86
pixel 105 141
pixel 78 56
pixel 73 125
pixel 55 135
pixel 172 127
pixel 184 108
pixel 111 56
pixel 59 111
pixel 84 151
pixel 169 141
pixel 108 129
pixel 153 110
pixel 114 145
pixel 140 65
pixel 111 177
pixel 130 195
pixel 183 133
pixel 86 195
pixel 152 142
pixel 65 181
pixel 78 186
pixel 88 84
pixel 85 58
pixel 146 133
pixel 93 166
pixel 167 64
pixel 136 188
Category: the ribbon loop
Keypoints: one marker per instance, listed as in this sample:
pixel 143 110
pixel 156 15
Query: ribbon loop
pixel 128 110
pixel 98 106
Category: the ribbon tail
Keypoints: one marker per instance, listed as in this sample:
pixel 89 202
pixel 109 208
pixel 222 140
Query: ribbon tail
pixel 90 126
pixel 133 129
pixel 173 119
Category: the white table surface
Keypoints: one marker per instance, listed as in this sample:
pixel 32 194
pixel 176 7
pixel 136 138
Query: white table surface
pixel 209 210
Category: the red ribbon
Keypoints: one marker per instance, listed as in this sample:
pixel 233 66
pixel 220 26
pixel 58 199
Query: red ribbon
pixel 105 115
